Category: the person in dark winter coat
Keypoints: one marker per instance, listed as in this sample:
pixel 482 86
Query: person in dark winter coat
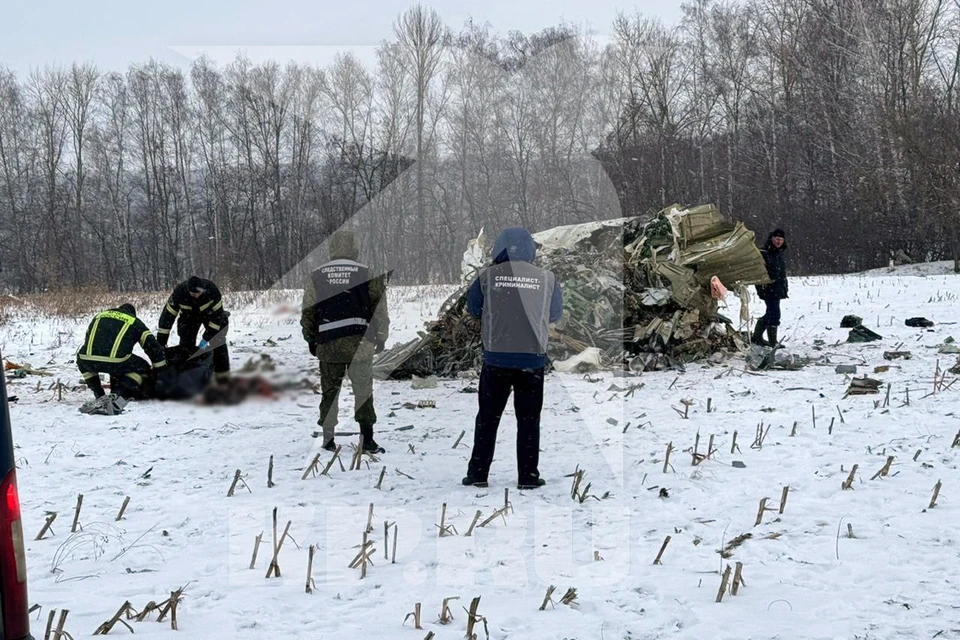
pixel 345 322
pixel 108 348
pixel 772 293
pixel 194 303
pixel 515 301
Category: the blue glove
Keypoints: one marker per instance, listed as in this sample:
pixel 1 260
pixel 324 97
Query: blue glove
pixel 203 344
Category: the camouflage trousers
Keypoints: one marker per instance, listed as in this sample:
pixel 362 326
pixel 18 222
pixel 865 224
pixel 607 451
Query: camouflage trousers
pixel 332 374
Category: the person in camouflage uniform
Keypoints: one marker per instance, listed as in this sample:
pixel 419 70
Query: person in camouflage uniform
pixel 344 320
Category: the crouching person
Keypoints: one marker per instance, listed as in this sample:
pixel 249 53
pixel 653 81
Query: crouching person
pixel 515 301
pixel 108 348
pixel 344 320
pixel 196 303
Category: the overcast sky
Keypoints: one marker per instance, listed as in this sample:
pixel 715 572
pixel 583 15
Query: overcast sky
pixel 114 33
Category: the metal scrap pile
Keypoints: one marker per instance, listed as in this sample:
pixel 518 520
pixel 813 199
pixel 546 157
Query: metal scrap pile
pixel 637 294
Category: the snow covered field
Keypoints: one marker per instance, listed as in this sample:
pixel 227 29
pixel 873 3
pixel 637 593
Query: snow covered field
pixel 803 577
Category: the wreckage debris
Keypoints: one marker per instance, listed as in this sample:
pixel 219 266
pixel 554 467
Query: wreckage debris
pixel 109 404
pixel 863 386
pixel 639 294
pixel 861 334
pixel 849 322
pixel 921 323
pixel 897 355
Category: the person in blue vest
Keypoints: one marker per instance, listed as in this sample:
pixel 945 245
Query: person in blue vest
pixel 515 301
pixel 344 321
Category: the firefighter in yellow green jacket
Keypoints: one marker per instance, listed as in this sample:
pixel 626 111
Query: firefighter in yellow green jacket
pixel 196 303
pixel 108 348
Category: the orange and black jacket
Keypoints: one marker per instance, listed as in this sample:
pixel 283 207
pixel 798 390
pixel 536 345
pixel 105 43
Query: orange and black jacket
pixel 111 337
pixel 206 310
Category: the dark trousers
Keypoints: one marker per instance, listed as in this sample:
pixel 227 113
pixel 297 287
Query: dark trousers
pixel 331 381
pixel 126 378
pixel 188 328
pixel 496 383
pixel 772 317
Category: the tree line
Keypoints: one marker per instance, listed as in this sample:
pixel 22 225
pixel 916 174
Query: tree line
pixel 835 119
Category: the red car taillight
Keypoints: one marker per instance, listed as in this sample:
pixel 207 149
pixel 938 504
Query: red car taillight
pixel 16 620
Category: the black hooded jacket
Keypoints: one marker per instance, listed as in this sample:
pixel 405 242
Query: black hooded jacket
pixel 776 270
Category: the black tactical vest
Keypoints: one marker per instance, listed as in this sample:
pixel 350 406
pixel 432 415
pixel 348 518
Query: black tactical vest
pixel 343 300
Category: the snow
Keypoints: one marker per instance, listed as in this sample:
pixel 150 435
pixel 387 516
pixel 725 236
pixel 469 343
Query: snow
pixel 803 577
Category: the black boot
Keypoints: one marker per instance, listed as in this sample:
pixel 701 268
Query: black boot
pixel 526 485
pixel 474 482
pixel 772 335
pixel 369 444
pixel 757 337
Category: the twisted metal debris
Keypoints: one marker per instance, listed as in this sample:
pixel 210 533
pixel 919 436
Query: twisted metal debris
pixel 637 293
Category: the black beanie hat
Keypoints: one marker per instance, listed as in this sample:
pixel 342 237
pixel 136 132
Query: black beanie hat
pixel 195 285
pixel 778 233
pixel 128 308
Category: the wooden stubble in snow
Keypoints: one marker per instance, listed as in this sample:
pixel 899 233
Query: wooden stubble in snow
pixel 383 472
pixel 312 467
pixel 666 460
pixel 393 553
pixel 936 494
pixel 473 524
pixel 369 527
pixel 415 614
pixel 364 557
pixel 51 516
pixel 760 437
pixel 502 511
pixel 310 583
pixel 147 610
pixel 357 456
pixel 570 597
pixel 884 470
pixel 473 618
pixel 737 579
pixel 457 443
pixel 237 479
pixel 58 632
pixel 763 508
pixel 547 599
pixel 446 615
pixel 663 548
pixel 270 483
pixel 76 515
pixel 274 568
pixel 125 611
pixel 956 441
pixel 723 584
pixel 123 508
pixel 334 458
pixel 445 529
pixel 256 550
pixel 170 606
pixel 848 483
pixel 783 500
